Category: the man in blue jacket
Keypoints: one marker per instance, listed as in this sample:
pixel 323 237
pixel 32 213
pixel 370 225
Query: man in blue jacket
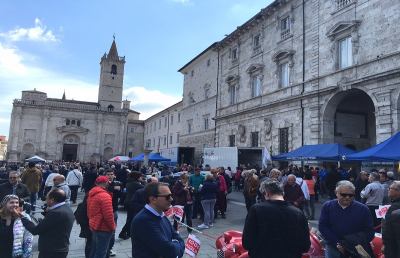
pixel 344 219
pixel 153 235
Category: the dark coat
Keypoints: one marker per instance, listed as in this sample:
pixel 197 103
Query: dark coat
pixel 54 230
pixel 391 231
pixel 154 237
pixel 82 219
pixel 209 190
pixel 275 229
pixel 131 187
pixel 138 201
pixel 21 191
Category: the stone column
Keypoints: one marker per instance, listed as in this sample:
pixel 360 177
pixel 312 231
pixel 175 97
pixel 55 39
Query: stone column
pixel 45 119
pixel 383 116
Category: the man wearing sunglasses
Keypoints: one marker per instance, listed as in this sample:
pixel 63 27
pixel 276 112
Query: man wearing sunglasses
pixel 345 218
pixel 153 235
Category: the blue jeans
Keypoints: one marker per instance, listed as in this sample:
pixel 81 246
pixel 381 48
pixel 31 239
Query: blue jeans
pixel 208 207
pixel 332 252
pixel 100 244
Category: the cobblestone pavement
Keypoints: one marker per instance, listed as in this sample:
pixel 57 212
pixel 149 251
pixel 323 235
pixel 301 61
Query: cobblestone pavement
pixel 235 217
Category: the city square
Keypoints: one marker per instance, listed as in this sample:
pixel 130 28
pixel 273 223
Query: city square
pixel 294 101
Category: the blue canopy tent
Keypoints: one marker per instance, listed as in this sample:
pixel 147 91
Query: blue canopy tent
pixel 326 152
pixel 386 151
pixel 153 157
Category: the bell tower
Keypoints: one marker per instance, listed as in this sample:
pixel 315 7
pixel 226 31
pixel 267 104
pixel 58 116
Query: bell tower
pixel 111 79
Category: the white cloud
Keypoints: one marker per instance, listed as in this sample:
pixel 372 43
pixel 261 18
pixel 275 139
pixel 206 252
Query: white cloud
pixel 17 74
pixel 148 102
pixel 37 33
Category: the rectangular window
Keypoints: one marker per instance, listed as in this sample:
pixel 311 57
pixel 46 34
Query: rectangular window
pixel 130 154
pixel 177 137
pixel 172 119
pixel 232 94
pixel 170 139
pixel 165 140
pixel 132 129
pixel 256 41
pixel 234 54
pixel 189 126
pixel 232 140
pixel 255 86
pixel 179 117
pixel 345 53
pixel 254 139
pixel 159 124
pixel 283 140
pixel 206 123
pixel 131 141
pixel 284 74
pixel 154 142
pixel 165 121
pixel 285 27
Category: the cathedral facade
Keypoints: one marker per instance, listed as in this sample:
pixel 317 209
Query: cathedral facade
pixel 62 129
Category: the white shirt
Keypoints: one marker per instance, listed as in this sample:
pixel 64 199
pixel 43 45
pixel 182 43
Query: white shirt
pixel 74 177
pixel 304 187
pixel 49 181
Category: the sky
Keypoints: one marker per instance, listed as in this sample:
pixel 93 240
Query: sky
pixel 52 46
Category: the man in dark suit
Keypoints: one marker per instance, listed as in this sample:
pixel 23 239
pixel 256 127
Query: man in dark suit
pixel 14 186
pixel 54 230
pixel 153 235
pixel 275 228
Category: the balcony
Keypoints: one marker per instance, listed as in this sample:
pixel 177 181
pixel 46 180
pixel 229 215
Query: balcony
pixel 340 4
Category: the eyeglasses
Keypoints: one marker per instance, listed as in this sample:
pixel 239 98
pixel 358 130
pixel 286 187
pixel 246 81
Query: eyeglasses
pixel 167 196
pixel 347 195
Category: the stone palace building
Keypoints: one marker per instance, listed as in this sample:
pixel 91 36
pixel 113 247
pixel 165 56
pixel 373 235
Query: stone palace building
pixel 63 129
pixel 298 72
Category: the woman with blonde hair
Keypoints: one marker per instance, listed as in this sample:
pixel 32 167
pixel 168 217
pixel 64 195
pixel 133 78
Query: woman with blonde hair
pixel 15 240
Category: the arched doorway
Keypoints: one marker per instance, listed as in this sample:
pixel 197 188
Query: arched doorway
pixel 108 153
pixel 28 150
pixel 349 119
pixel 70 147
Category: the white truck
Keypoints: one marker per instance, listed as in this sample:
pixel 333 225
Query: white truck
pixel 221 157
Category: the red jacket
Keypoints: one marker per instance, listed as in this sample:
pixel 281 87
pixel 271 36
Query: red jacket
pixel 100 210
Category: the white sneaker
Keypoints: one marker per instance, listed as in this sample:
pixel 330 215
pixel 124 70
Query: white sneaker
pixel 211 225
pixel 202 226
pixel 112 253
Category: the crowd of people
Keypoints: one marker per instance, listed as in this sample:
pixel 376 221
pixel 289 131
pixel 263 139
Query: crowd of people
pixel 147 192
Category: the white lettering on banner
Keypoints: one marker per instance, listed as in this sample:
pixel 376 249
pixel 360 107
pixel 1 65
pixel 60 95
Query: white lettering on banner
pixel 381 211
pixel 192 245
pixel 176 211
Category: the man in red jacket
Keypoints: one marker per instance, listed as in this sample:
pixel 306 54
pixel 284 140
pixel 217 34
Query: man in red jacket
pixel 101 218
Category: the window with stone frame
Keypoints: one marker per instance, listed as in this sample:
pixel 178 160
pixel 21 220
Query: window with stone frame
pixel 234 54
pixel 154 142
pixel 206 120
pixel 170 138
pixel 232 94
pixel 232 139
pixel 165 140
pixel 285 27
pixel 165 121
pixel 345 52
pixel 179 117
pixel 254 139
pixel 255 85
pixel 172 119
pixel 130 154
pixel 284 74
pixel 284 63
pixel 345 43
pixel 131 141
pixel 148 143
pixel 189 126
pixel 177 137
pixel 132 129
pixel 283 140
pixel 207 90
pixel 257 41
pixel 67 122
pixel 159 124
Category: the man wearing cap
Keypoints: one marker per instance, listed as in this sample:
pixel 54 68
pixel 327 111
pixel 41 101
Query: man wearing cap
pixel 101 218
